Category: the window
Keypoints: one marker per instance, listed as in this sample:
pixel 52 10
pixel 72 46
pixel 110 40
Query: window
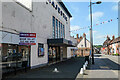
pixel 81 45
pixel 53 27
pixel 56 29
pixel 26 3
pixel 61 31
pixel 40 50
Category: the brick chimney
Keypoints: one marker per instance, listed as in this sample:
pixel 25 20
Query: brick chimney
pixel 108 38
pixel 84 35
pixel 77 36
pixel 113 37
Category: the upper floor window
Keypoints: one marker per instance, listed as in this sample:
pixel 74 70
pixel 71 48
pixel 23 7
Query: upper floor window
pixel 53 22
pixel 63 31
pixel 56 29
pixel 59 30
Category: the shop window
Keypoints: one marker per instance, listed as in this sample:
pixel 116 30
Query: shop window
pixel 40 49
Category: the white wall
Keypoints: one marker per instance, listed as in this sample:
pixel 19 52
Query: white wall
pixel 0 14
pixel 114 46
pixel 39 21
pixel 82 42
pixel 42 25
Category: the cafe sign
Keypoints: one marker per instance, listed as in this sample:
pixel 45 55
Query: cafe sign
pixel 27 39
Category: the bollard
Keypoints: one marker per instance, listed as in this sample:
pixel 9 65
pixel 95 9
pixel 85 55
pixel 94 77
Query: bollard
pixel 55 70
pixel 81 71
pixel 84 67
pixel 87 62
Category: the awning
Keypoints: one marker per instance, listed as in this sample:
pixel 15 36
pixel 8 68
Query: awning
pixel 60 42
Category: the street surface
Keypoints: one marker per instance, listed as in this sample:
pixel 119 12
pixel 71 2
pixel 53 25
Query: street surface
pixel 67 69
pixel 106 66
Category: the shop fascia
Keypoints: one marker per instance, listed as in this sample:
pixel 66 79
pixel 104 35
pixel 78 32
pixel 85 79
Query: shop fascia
pixel 57 8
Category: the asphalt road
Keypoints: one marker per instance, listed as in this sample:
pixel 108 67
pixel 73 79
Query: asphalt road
pixel 106 66
pixel 67 69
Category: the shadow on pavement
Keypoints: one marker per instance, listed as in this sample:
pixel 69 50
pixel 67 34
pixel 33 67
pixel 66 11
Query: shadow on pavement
pixel 104 64
pixel 67 69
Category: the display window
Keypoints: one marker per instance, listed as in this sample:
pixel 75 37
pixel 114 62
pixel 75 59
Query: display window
pixel 14 55
pixel 40 50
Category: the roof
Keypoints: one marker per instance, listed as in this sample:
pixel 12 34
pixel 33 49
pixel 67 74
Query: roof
pixel 107 41
pixel 116 40
pixel 64 7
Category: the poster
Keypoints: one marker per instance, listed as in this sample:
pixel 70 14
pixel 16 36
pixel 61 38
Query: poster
pixel 27 39
pixel 40 50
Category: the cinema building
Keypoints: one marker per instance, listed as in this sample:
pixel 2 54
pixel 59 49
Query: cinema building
pixel 48 22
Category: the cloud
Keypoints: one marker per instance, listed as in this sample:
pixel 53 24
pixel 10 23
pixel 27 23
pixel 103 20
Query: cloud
pixel 96 16
pixel 74 27
pixel 115 8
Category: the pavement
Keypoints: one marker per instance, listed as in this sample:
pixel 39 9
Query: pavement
pixel 106 67
pixel 68 69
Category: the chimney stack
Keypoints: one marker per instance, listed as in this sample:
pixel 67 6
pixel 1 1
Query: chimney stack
pixel 108 38
pixel 113 37
pixel 84 35
pixel 77 36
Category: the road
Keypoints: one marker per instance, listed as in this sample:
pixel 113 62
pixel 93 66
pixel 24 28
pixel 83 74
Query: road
pixel 106 66
pixel 67 70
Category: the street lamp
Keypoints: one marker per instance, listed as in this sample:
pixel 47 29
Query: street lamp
pixel 91 36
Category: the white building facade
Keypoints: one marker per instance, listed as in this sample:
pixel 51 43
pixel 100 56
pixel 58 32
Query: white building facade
pixel 50 21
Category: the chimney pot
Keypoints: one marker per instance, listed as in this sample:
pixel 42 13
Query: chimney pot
pixel 113 37
pixel 77 35
pixel 84 35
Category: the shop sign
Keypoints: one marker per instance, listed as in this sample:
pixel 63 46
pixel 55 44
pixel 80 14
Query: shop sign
pixel 27 39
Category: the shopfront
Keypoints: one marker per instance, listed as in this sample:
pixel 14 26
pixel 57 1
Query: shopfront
pixel 54 54
pixel 15 56
pixel 57 50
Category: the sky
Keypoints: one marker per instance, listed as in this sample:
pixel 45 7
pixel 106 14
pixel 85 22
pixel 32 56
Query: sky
pixel 101 13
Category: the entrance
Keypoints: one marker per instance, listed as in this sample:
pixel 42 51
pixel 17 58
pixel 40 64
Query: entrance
pixel 54 54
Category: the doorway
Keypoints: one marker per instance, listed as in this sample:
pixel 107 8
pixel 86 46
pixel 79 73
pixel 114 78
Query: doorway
pixel 54 54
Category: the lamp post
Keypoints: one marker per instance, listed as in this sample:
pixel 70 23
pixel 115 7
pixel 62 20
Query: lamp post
pixel 91 34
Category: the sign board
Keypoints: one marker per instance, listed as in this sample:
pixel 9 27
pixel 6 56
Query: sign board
pixel 27 39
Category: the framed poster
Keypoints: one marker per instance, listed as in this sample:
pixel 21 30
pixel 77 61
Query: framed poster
pixel 40 49
pixel 27 39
